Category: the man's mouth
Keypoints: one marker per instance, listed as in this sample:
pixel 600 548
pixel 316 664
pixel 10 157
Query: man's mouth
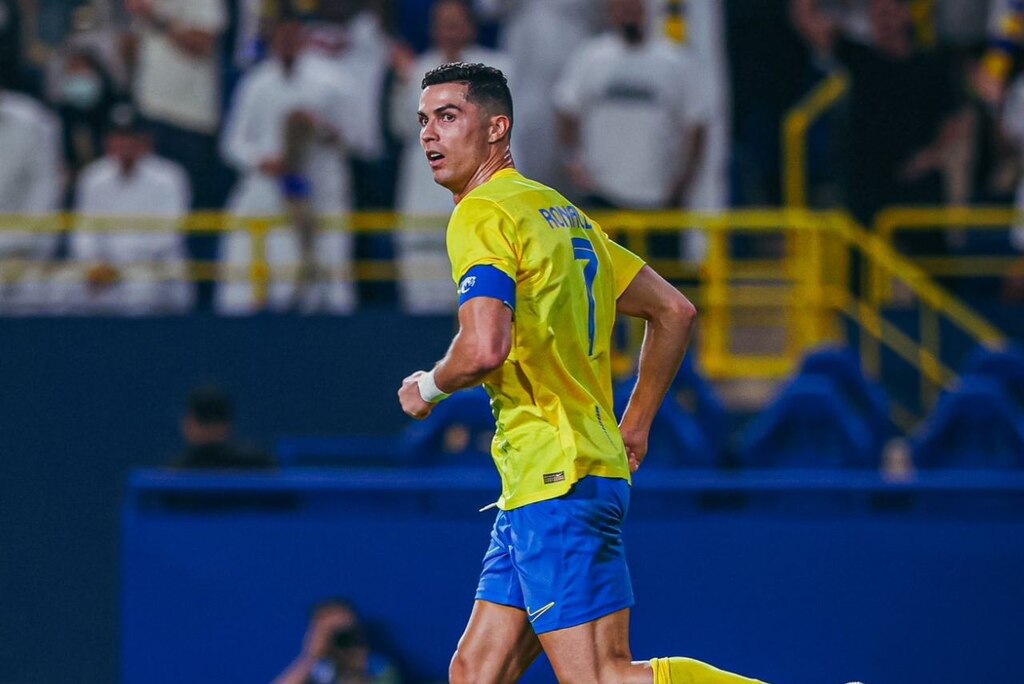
pixel 435 159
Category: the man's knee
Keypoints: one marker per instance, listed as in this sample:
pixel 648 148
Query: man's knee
pixel 463 670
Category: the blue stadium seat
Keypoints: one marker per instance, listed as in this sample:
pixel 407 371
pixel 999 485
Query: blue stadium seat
pixel 977 426
pixel 1005 366
pixel 809 425
pixel 457 433
pixel 865 397
pixel 689 429
pixel 698 397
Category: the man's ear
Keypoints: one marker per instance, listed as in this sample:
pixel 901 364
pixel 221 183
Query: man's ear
pixel 500 126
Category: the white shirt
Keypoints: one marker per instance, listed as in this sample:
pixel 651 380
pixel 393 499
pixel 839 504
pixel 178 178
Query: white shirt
pixel 254 132
pixel 539 37
pixel 417 192
pixel 633 104
pixel 173 86
pixel 31 178
pixel 30 175
pixel 147 245
pixel 360 53
pixel 156 189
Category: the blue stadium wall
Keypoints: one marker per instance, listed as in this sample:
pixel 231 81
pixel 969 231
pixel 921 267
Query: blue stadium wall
pixel 97 586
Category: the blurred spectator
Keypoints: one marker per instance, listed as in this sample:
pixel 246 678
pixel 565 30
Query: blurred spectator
pixel 349 40
pixel 137 264
pixel 177 85
pixel 11 54
pixel 31 187
pixel 335 651
pixel 426 285
pixel 1013 130
pixel 207 430
pixel 907 115
pixel 698 28
pixel 85 95
pixel 634 115
pixel 289 130
pixel 1006 37
pixel 540 36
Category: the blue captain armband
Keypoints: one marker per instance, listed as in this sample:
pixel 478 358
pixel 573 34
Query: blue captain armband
pixel 487 281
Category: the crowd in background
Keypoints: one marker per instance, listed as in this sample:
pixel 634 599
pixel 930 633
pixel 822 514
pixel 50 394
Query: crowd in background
pixel 306 109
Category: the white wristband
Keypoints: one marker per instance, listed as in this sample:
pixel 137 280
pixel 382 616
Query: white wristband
pixel 429 391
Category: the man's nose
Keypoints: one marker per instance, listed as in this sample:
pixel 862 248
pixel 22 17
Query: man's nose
pixel 427 133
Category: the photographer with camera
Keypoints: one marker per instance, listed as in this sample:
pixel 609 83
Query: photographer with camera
pixel 335 651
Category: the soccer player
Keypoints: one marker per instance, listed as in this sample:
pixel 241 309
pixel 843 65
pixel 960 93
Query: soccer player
pixel 539 284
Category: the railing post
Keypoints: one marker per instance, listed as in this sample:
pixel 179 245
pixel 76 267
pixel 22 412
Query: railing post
pixel 260 273
pixel 715 328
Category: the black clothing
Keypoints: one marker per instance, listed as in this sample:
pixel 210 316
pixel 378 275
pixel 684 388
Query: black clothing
pixel 223 455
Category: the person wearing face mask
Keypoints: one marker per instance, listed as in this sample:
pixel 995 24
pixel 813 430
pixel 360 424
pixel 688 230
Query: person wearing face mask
pixel 633 115
pixel 425 285
pixel 85 94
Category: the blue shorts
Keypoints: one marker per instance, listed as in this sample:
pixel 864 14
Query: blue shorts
pixel 561 560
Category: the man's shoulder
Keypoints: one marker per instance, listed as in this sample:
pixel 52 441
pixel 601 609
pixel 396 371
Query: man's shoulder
pixel 97 173
pixel 602 46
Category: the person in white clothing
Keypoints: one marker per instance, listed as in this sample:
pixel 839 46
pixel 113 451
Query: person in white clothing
pixel 1013 130
pixel 30 186
pixel 177 85
pixel 698 28
pixel 540 36
pixel 351 40
pixel 425 275
pixel 127 250
pixel 281 94
pixel 626 81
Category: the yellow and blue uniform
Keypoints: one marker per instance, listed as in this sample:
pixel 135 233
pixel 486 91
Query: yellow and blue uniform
pixel 556 549
pixel 517 240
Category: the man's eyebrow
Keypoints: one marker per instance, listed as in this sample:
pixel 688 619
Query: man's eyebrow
pixel 441 109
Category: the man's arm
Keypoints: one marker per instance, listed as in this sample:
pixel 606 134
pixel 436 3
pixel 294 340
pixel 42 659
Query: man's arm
pixel 479 348
pixel 670 319
pixel 817 28
pixel 695 142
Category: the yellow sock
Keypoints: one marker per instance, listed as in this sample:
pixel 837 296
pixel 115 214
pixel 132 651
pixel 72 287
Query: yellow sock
pixel 690 671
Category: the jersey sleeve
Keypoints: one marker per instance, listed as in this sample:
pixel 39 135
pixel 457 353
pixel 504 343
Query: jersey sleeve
pixel 625 264
pixel 481 234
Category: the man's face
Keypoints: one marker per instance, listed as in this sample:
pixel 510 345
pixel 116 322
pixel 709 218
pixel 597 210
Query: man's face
pixel 892 26
pixel 126 146
pixel 627 13
pixel 452 28
pixel 288 39
pixel 454 134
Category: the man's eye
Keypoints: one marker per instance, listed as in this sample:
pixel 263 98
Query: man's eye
pixel 449 117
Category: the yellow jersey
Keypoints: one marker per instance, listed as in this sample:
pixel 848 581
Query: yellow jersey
pixel 552 397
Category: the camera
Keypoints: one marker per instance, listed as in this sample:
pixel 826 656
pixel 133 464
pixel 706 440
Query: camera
pixel 348 637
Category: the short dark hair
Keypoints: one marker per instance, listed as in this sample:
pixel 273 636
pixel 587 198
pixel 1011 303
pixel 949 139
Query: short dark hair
pixel 487 85
pixel 209 405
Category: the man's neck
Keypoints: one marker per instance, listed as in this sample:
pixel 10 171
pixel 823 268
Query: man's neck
pixel 484 173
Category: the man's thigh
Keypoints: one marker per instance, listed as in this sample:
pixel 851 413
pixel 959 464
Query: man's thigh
pixel 595 652
pixel 497 647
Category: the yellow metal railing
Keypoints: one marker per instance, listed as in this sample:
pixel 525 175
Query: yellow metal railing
pixel 794 135
pixel 790 280
pixel 952 221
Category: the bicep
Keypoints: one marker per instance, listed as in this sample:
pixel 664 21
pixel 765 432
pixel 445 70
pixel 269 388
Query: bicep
pixel 487 323
pixel 647 294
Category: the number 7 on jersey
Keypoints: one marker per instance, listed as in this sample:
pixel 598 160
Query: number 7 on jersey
pixel 583 250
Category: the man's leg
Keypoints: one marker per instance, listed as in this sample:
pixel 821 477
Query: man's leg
pixel 598 652
pixel 497 646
